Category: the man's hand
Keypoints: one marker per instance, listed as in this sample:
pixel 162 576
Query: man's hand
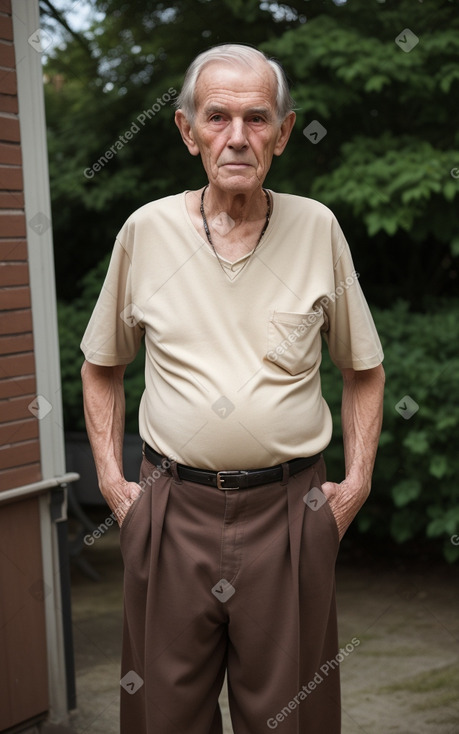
pixel 120 497
pixel 345 501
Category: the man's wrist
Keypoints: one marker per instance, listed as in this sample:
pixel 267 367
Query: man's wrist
pixel 358 480
pixel 114 492
pixel 110 481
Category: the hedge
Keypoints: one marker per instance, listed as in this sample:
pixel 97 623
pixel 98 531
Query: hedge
pixel 415 493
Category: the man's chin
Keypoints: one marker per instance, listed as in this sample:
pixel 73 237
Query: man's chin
pixel 237 182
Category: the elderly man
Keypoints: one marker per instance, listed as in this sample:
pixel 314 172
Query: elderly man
pixel 230 538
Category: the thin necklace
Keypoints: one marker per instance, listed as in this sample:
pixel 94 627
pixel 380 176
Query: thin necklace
pixel 207 230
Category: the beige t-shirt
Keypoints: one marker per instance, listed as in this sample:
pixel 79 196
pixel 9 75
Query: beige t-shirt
pixel 232 365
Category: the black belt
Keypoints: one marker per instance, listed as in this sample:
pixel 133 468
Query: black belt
pixel 232 479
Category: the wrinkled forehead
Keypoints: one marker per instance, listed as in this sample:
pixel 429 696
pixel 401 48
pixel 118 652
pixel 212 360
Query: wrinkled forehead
pixel 220 78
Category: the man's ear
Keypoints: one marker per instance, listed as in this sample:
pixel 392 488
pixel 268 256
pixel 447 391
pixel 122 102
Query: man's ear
pixel 186 131
pixel 284 133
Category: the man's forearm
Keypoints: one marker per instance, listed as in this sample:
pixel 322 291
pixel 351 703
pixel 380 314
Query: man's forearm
pixel 103 398
pixel 104 407
pixel 361 414
pixel 362 409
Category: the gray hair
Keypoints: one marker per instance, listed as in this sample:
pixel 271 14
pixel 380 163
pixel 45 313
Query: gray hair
pixel 233 53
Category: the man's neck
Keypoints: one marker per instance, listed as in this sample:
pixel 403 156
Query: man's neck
pixel 241 207
pixel 232 236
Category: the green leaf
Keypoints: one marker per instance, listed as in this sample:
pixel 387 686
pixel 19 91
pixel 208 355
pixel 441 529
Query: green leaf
pixel 447 524
pixel 376 83
pixel 438 466
pixel 451 552
pixel 436 527
pixel 450 190
pixel 417 442
pixel 406 491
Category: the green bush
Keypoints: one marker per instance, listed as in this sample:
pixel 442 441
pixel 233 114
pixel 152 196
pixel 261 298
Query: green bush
pixel 415 494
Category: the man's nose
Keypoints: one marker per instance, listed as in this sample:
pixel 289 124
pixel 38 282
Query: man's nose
pixel 238 137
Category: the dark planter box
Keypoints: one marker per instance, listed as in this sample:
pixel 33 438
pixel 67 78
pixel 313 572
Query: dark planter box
pixel 79 459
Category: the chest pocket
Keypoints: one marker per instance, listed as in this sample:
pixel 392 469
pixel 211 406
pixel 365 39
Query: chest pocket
pixel 294 340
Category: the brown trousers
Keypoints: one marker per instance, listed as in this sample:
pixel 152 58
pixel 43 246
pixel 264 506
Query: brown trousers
pixel 240 581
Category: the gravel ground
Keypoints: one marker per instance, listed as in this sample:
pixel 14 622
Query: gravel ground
pixel 402 677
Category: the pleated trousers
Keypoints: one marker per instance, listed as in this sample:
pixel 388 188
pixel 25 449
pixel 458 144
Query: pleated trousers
pixel 236 581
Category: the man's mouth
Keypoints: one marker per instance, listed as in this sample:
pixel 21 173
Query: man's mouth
pixel 237 164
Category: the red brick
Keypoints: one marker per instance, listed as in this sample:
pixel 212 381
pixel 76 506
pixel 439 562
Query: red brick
pixel 9 103
pixel 12 200
pixel 14 298
pixel 19 454
pixel 17 365
pixel 19 431
pixel 6 28
pixel 7 55
pixel 9 128
pixel 10 154
pixel 16 343
pixel 15 388
pixel 11 178
pixel 13 250
pixel 12 225
pixel 8 81
pixel 15 322
pixel 13 274
pixel 19 476
pixel 16 409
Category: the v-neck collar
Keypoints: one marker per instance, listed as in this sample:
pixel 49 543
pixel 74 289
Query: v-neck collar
pixel 232 269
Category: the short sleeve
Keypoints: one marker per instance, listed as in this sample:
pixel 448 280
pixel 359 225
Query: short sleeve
pixel 351 335
pixel 115 329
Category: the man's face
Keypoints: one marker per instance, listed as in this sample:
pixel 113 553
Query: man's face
pixel 236 130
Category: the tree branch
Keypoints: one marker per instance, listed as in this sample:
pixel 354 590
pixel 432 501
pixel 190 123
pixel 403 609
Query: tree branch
pixel 59 16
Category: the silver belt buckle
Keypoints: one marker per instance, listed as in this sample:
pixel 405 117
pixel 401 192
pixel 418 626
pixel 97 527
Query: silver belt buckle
pixel 223 476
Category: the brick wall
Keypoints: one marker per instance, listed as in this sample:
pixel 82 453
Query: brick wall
pixel 19 444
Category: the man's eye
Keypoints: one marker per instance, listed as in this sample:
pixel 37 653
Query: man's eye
pixel 216 118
